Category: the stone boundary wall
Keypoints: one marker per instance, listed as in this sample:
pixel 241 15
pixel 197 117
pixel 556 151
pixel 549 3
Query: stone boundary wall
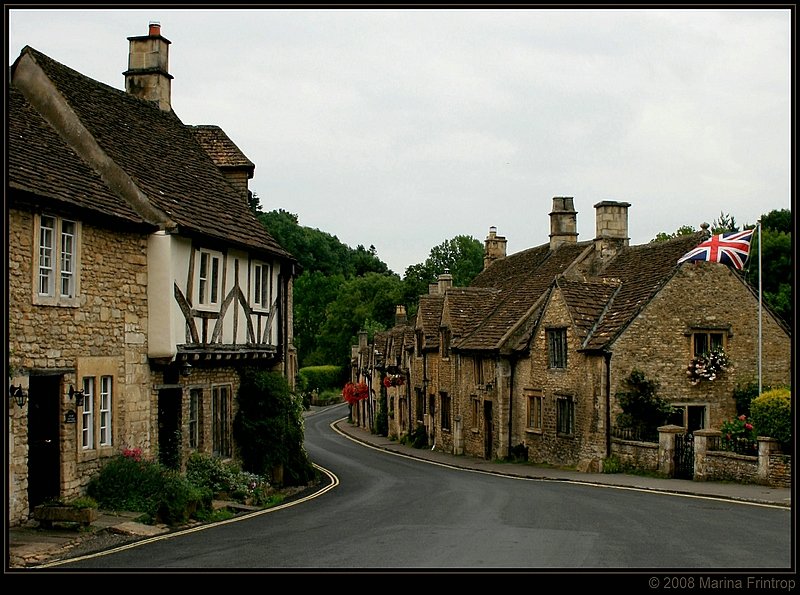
pixel 770 467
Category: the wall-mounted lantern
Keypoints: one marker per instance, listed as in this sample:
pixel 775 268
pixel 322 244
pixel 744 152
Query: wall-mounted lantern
pixel 77 395
pixel 19 394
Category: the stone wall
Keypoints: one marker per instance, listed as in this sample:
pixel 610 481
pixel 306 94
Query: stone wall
pixel 634 454
pixel 101 332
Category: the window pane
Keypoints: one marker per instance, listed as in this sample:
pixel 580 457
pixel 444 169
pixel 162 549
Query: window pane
pixel 214 279
pixel 201 297
pixel 46 250
pixel 105 410
pixel 67 257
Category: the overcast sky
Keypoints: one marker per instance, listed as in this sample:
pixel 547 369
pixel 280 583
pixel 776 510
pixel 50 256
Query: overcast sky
pixel 404 128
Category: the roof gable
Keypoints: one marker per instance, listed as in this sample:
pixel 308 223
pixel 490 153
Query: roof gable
pixel 162 158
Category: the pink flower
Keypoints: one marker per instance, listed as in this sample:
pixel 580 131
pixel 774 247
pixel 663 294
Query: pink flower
pixel 742 417
pixel 748 426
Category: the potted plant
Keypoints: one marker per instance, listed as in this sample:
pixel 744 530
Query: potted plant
pixel 81 511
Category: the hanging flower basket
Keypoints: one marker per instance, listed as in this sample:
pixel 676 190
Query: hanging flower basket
pixel 393 380
pixel 707 367
pixel 355 392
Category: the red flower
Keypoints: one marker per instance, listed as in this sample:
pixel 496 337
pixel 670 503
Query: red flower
pixel 353 393
pixel 748 426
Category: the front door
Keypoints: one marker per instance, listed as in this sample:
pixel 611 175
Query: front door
pixel 169 427
pixel 44 440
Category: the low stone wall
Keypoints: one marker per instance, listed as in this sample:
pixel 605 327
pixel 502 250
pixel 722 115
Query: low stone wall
pixel 770 467
pixel 635 454
pixel 780 470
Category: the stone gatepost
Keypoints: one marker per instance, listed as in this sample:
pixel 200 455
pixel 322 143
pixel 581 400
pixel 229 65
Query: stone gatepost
pixel 666 449
pixel 766 446
pixel 701 440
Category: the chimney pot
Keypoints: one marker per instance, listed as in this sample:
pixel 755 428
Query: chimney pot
pixel 155 29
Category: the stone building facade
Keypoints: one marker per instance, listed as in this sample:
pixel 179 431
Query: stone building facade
pixel 532 356
pixel 137 293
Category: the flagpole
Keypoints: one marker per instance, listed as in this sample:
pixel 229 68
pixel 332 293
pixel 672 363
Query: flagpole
pixel 759 306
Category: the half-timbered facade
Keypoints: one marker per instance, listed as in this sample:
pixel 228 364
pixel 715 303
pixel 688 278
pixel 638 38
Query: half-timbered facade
pixel 140 281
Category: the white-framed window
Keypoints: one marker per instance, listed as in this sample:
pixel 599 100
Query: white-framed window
pixel 87 414
pixel 195 398
pixel 105 410
pixel 222 420
pixel 57 260
pixel 262 285
pixel 209 278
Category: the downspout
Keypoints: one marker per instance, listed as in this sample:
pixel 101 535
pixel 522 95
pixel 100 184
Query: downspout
pixel 512 364
pixel 607 358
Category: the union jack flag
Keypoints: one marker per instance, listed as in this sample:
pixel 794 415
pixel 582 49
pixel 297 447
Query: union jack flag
pixel 729 248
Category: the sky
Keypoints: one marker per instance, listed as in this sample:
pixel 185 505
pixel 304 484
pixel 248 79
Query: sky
pixel 403 128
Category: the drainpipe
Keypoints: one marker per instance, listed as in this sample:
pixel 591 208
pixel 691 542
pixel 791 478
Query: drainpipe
pixel 607 358
pixel 511 365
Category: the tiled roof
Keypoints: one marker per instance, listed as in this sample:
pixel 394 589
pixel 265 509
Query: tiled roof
pixel 600 307
pixel 465 307
pixel 522 279
pixel 429 317
pixel 40 163
pixel 642 270
pixel 586 301
pixel 162 157
pixel 222 150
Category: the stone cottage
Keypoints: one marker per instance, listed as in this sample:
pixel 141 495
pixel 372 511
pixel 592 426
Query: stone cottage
pixel 140 282
pixel 530 357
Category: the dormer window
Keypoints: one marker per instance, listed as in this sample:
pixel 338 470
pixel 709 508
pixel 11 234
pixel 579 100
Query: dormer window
pixel 208 278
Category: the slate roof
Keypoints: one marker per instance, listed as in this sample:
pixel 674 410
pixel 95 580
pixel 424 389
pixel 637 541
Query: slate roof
pixel 222 150
pixel 162 157
pixel 429 317
pixel 600 307
pixel 41 164
pixel 522 279
pixel 642 270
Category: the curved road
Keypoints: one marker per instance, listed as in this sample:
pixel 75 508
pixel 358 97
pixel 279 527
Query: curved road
pixel 387 512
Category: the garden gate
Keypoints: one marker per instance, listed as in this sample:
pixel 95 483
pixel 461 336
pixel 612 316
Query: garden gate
pixel 684 456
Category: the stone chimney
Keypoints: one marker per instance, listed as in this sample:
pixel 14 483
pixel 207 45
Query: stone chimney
pixel 445 281
pixel 494 247
pixel 563 222
pixel 611 220
pixel 148 75
pixel 400 317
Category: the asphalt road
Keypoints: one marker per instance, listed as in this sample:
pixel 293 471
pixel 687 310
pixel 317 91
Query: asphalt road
pixel 383 512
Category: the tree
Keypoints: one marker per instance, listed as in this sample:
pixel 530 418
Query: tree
pixel 776 262
pixel 461 256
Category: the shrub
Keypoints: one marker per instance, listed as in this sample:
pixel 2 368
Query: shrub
pixel 771 413
pixel 642 409
pixel 268 428
pixel 210 472
pixel 738 435
pixel 417 438
pixel 125 483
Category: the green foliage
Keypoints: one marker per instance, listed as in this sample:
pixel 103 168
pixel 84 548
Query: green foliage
pixel 382 417
pixel 771 413
pixel 318 251
pixel 643 411
pixel 417 438
pixel 776 262
pixel 162 494
pixel 744 394
pixel 83 502
pixel 210 472
pixel 612 464
pixel 738 434
pixel 462 256
pixel 321 378
pixel 268 428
